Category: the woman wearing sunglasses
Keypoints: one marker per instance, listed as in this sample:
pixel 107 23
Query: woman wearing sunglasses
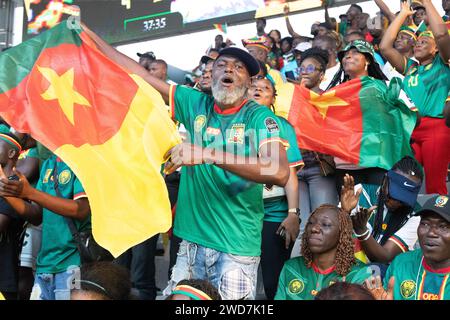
pixel 281 218
pixel 383 218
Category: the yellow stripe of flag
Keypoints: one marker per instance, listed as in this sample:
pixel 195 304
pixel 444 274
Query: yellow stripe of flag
pixel 129 198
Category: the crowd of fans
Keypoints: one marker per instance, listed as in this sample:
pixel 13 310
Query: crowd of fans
pixel 317 226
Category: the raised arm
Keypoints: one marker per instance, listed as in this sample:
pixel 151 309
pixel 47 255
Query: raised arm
pixel 374 251
pixel 397 60
pixel 132 66
pixel 439 30
pixel 288 23
pixel 385 9
pixel 327 16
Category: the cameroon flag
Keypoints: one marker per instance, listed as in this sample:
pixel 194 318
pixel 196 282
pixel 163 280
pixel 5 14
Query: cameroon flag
pixel 362 121
pixel 221 27
pixel 111 127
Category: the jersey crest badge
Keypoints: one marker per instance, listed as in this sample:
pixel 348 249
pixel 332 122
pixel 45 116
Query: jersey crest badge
pixel 296 286
pixel 408 289
pixel 237 133
pixel 64 177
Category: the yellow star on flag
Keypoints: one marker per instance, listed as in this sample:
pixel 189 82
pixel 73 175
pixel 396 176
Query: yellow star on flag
pixel 326 100
pixel 61 89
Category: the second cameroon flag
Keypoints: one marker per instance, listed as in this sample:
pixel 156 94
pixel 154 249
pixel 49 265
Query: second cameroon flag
pixel 362 121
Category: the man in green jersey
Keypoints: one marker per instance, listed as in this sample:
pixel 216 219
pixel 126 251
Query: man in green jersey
pixel 423 274
pixel 232 148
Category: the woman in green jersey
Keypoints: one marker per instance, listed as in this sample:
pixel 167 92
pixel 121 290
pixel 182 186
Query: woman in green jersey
pixel 427 83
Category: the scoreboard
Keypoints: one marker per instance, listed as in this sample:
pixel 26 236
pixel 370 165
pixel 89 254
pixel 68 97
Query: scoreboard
pixel 126 21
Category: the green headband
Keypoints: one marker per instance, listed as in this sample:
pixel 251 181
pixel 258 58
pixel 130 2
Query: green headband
pixel 427 34
pixel 409 32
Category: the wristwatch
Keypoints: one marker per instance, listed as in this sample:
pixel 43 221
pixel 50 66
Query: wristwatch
pixel 295 210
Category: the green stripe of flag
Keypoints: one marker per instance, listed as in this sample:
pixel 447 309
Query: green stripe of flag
pixel 17 62
pixel 387 124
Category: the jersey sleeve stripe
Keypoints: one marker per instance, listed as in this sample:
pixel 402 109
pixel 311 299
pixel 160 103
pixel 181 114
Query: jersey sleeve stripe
pixel 400 243
pixel 172 101
pixel 269 140
pixel 286 144
pixel 296 164
pixel 80 195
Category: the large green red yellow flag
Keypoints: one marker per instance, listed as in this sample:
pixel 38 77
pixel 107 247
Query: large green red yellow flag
pixel 111 127
pixel 362 121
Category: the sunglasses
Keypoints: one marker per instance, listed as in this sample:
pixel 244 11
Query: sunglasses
pixel 309 69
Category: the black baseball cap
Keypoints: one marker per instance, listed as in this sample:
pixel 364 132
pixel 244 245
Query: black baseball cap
pixel 149 55
pixel 439 205
pixel 417 5
pixel 205 59
pixel 250 62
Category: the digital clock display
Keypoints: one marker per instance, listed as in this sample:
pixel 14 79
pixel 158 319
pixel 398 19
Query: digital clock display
pixel 154 24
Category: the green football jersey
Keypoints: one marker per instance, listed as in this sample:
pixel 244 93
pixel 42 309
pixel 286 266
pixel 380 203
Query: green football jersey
pixel 428 86
pixel 216 208
pixel 298 282
pixel 59 250
pixel 415 280
pixel 275 202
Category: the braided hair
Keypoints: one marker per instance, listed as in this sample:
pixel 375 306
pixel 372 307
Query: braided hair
pixel 345 257
pixel 373 70
pixel 399 217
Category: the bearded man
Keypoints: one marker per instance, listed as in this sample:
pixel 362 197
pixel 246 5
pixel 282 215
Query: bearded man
pixel 232 148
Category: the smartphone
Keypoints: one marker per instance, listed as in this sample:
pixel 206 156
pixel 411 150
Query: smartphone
pixel 14 177
pixel 290 75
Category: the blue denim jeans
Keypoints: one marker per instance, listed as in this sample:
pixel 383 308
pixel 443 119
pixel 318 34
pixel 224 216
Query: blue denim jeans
pixel 234 276
pixel 314 190
pixel 54 286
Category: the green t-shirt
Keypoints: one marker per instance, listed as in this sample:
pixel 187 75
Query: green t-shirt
pixel 428 86
pixel 342 28
pixel 216 208
pixel 415 280
pixel 275 202
pixel 58 250
pixel 298 282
